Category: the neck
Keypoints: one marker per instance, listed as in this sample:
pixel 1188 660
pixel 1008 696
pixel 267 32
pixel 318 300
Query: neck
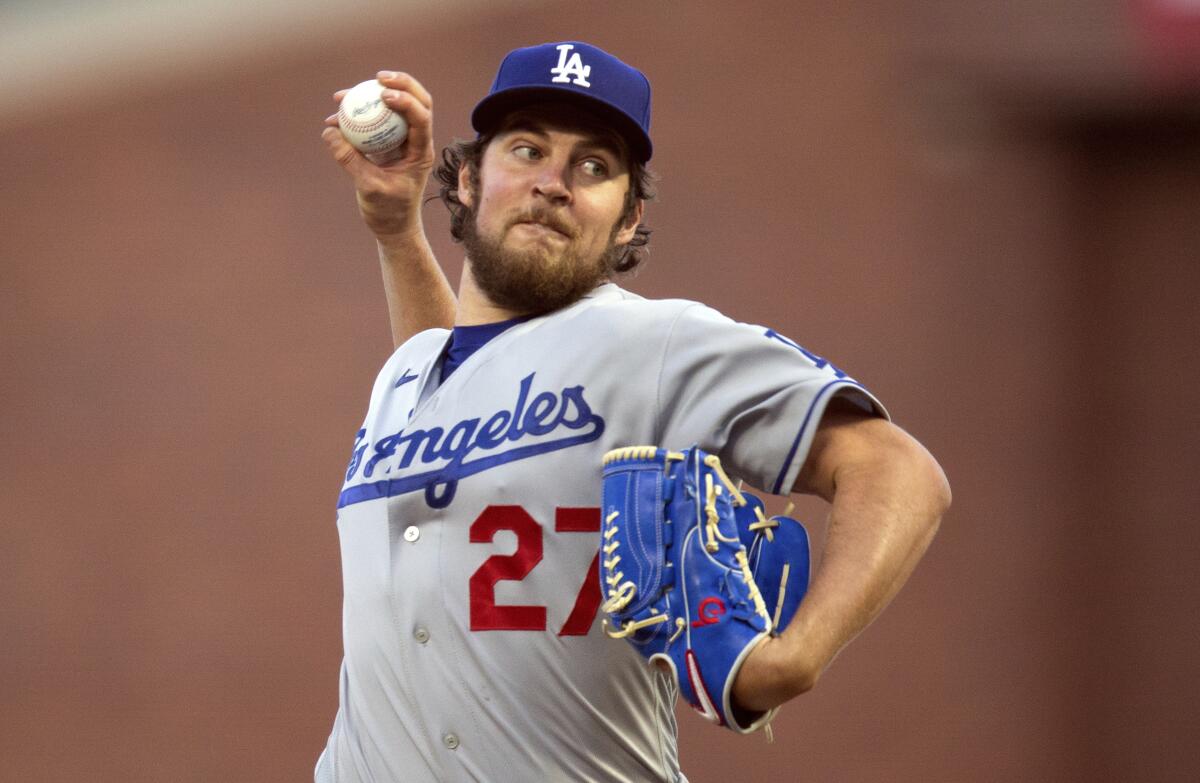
pixel 474 306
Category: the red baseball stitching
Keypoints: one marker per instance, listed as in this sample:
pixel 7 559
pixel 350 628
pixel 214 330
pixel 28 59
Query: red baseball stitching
pixel 353 124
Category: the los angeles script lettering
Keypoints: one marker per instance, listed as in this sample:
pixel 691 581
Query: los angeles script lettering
pixel 545 414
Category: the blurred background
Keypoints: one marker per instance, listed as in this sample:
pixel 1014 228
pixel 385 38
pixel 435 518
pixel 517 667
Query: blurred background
pixel 987 212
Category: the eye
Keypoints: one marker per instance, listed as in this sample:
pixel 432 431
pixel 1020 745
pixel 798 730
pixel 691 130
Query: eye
pixel 595 168
pixel 527 152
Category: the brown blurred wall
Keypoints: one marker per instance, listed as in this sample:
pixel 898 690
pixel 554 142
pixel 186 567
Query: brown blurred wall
pixel 985 215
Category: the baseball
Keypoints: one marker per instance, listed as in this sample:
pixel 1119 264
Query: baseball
pixel 369 125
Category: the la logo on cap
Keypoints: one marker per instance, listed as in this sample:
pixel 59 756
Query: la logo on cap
pixel 574 66
pixel 530 75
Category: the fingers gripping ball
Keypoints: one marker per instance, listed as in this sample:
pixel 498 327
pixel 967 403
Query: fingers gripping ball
pixel 369 125
pixel 676 580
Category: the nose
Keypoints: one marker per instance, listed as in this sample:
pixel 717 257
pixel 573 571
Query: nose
pixel 552 183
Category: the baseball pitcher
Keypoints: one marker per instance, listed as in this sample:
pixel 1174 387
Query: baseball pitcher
pixel 546 529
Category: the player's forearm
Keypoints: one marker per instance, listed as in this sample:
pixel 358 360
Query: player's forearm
pixel 418 294
pixel 883 517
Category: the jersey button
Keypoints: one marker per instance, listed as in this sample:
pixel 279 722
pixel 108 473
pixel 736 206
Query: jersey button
pixel 450 741
pixel 421 635
pixel 412 533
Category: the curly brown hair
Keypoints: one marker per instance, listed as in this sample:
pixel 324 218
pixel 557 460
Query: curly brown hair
pixel 470 153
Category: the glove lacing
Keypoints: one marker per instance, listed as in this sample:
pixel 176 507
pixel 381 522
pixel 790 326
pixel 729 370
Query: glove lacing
pixel 620 593
pixel 714 532
pixel 767 525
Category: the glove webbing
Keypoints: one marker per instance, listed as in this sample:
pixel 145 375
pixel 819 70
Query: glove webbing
pixel 767 525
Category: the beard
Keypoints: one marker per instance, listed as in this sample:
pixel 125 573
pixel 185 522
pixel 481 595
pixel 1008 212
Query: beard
pixel 537 279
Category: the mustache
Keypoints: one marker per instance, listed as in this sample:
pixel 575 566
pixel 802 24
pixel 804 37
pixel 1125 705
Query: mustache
pixel 546 218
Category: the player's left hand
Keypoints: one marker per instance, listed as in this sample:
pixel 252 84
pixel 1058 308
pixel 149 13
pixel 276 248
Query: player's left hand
pixel 390 195
pixel 695 575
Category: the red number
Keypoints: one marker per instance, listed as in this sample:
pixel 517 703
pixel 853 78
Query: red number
pixel 486 615
pixel 587 602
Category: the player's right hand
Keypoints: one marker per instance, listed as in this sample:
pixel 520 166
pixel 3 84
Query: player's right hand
pixel 390 195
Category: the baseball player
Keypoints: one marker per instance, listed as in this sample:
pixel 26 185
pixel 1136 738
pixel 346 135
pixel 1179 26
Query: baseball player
pixel 469 517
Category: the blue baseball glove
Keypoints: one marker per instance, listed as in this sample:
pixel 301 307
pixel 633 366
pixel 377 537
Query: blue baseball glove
pixel 678 582
pixel 780 558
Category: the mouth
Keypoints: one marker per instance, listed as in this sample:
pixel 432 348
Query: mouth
pixel 543 228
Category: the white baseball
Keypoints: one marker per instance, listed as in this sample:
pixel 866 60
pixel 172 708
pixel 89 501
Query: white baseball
pixel 369 125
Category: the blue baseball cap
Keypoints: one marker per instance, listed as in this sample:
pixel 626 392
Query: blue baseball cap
pixel 575 71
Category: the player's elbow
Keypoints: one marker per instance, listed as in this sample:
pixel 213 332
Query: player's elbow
pixel 928 479
pixel 943 497
pixel 899 474
pixel 931 484
pixel 926 490
pixel 903 464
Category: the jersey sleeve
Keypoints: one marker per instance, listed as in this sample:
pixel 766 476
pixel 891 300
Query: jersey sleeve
pixel 748 394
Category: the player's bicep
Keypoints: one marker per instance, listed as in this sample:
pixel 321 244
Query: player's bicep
pixel 847 436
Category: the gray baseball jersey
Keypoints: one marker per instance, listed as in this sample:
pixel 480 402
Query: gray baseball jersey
pixel 469 524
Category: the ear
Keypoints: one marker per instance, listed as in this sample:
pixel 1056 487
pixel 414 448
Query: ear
pixel 629 227
pixel 464 186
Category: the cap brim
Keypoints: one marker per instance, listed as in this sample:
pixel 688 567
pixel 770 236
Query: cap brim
pixel 492 110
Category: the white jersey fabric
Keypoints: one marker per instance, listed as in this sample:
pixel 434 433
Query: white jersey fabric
pixel 469 524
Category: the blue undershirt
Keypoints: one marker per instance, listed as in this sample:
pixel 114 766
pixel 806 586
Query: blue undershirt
pixel 466 340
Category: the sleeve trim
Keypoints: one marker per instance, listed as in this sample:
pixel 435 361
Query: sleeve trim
pixel 811 416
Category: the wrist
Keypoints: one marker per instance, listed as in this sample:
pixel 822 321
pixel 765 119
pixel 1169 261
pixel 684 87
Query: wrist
pixel 777 671
pixel 802 652
pixel 390 217
pixel 402 239
pixel 761 683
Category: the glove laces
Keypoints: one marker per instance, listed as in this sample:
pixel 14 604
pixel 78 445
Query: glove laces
pixel 620 593
pixel 711 493
pixel 714 532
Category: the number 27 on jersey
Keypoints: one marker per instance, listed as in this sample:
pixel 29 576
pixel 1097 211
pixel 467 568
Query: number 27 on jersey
pixel 486 614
